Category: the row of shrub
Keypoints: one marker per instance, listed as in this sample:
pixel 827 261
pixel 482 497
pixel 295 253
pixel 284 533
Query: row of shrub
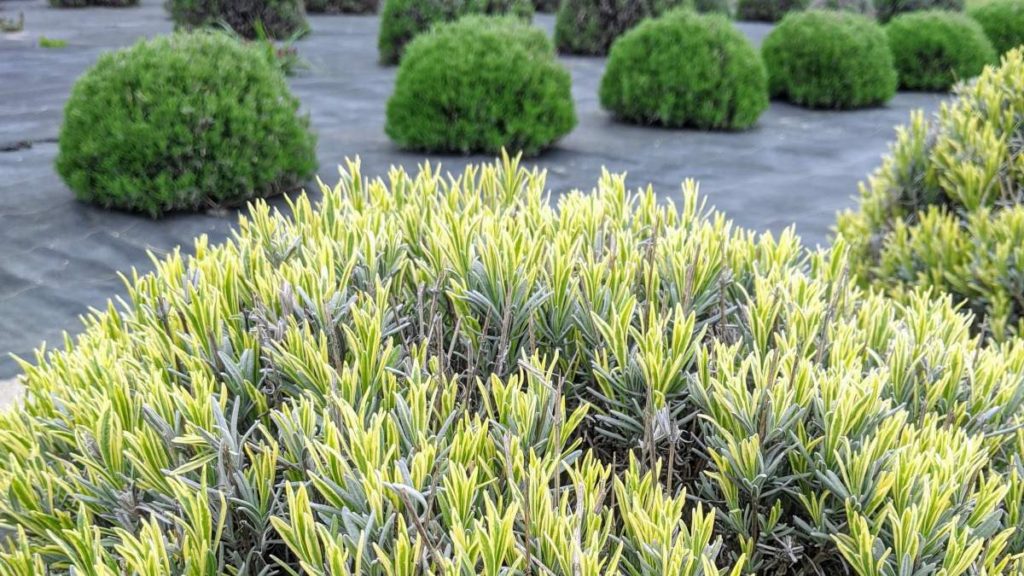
pixel 161 127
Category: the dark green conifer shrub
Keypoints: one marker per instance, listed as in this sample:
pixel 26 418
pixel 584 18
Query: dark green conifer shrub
pixel 450 375
pixel 934 49
pixel 187 121
pixel 403 20
pixel 722 85
pixel 589 27
pixel 946 209
pixel 479 85
pixel 1003 21
pixel 887 9
pixel 826 59
pixel 342 6
pixel 280 19
pixel 767 10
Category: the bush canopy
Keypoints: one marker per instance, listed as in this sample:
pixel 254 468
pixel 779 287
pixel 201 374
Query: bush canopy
pixel 183 122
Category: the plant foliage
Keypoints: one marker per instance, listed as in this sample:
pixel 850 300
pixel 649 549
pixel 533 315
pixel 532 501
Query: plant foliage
pixel 403 20
pixel 450 375
pixel 279 19
pixel 945 208
pixel 887 9
pixel 722 86
pixel 768 10
pixel 187 121
pixel 1003 22
pixel 824 59
pixel 479 85
pixel 935 49
pixel 589 27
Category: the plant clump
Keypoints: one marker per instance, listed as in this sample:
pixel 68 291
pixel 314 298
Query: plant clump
pixel 276 19
pixel 933 50
pixel 825 59
pixel 768 10
pixel 447 374
pixel 402 20
pixel 722 86
pixel 183 122
pixel 946 210
pixel 1003 22
pixel 481 84
pixel 589 27
pixel 885 10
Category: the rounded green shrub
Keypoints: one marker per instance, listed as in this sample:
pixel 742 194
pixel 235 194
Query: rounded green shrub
pixel 722 85
pixel 342 6
pixel 885 10
pixel 589 27
pixel 279 18
pixel 403 20
pixel 449 374
pixel 1003 22
pixel 945 210
pixel 767 10
pixel 824 59
pixel 187 121
pixel 934 49
pixel 481 84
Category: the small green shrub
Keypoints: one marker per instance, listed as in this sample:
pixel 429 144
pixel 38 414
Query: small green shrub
pixel 934 49
pixel 823 59
pixel 722 86
pixel 768 10
pixel 186 121
pixel 342 6
pixel 279 19
pixel 589 27
pixel 887 9
pixel 945 209
pixel 403 20
pixel 45 42
pixel 1003 22
pixel 479 85
pixel 451 375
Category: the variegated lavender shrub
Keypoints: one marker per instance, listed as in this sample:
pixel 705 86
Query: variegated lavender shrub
pixel 450 375
pixel 944 211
